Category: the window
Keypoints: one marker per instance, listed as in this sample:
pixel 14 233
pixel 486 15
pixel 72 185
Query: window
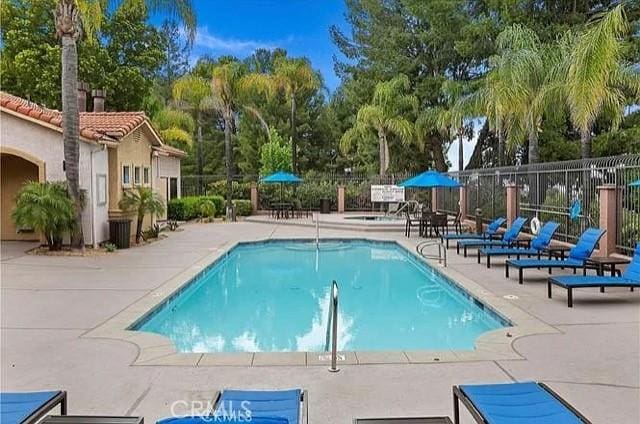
pixel 145 176
pixel 126 175
pixel 136 175
pixel 101 189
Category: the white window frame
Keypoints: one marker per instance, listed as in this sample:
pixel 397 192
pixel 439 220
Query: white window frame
pixel 126 182
pixel 101 189
pixel 137 176
pixel 146 176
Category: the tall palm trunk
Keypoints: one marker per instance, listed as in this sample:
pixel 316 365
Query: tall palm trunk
pixel 534 149
pixel 461 149
pixel 68 29
pixel 585 143
pixel 294 136
pixel 500 147
pixel 228 122
pixel 438 155
pixel 200 153
pixel 382 149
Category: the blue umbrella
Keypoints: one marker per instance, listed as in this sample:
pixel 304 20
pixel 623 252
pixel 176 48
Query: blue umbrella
pixel 635 183
pixel 282 178
pixel 430 179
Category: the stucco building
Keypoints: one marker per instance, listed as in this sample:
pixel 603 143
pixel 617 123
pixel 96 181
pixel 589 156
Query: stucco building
pixel 118 151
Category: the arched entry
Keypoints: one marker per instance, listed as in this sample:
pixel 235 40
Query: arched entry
pixel 16 168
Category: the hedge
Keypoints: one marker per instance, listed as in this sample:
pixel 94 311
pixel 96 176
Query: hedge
pixel 239 190
pixel 188 208
pixel 243 207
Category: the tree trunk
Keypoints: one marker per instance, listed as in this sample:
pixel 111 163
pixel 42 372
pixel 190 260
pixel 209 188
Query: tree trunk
pixel 534 149
pixel 461 149
pixel 381 151
pixel 294 136
pixel 500 147
pixel 228 162
pixel 438 155
pixel 387 157
pixel 71 131
pixel 139 228
pixel 200 153
pixel 585 143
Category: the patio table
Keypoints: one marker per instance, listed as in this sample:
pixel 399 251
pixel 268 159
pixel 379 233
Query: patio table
pixel 600 263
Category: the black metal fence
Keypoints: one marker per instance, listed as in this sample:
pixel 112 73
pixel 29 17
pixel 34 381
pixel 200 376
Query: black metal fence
pixel 547 191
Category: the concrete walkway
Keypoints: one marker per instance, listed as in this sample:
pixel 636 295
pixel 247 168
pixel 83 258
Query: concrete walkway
pixel 48 303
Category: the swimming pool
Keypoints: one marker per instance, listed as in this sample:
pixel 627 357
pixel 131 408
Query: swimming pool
pixel 273 296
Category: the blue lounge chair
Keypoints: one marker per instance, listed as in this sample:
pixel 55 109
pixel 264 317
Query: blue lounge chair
pixel 491 232
pixel 288 404
pixel 578 256
pixel 630 278
pixel 509 238
pixel 514 403
pixel 538 244
pixel 30 407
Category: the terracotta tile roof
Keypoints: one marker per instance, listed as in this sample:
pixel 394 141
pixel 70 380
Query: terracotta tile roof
pixel 171 151
pixel 93 126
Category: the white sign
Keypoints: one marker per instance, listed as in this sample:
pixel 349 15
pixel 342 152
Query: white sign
pixel 387 193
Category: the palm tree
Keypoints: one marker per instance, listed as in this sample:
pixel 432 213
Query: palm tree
pixel 597 76
pixel 45 208
pixel 190 92
pixel 449 119
pixel 385 116
pixel 526 68
pixel 294 76
pixel 141 201
pixel 72 17
pixel 229 86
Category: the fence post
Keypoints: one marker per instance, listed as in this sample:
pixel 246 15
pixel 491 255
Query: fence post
pixel 513 202
pixel 341 199
pixel 434 199
pixel 608 218
pixel 463 203
pixel 254 197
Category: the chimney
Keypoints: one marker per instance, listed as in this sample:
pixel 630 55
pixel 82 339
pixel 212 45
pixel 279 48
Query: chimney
pixel 98 99
pixel 83 89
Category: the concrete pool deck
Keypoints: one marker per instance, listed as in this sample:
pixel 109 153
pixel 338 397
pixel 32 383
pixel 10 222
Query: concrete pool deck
pixel 49 305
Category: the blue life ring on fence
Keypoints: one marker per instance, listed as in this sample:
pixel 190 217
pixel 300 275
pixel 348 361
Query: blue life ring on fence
pixel 575 210
pixel 535 226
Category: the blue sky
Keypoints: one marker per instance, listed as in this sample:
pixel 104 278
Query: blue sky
pixel 299 26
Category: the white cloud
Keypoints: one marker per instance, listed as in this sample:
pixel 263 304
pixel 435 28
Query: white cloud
pixel 207 40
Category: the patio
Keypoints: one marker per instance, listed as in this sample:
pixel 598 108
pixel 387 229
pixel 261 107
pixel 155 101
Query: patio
pixel 49 303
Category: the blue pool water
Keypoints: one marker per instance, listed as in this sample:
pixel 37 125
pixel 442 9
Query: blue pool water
pixel 274 296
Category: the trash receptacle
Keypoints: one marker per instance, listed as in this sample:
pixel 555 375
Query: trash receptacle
pixel 325 205
pixel 479 228
pixel 120 232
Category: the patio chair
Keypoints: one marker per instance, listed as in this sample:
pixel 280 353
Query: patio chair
pixel 630 278
pixel 30 407
pixel 411 223
pixel 514 403
pixel 439 223
pixel 491 232
pixel 263 406
pixel 509 238
pixel 577 257
pixel 538 244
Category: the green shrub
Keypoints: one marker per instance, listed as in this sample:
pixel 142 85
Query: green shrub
pixel 45 208
pixel 188 208
pixel 110 247
pixel 243 207
pixel 206 209
pixel 240 190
